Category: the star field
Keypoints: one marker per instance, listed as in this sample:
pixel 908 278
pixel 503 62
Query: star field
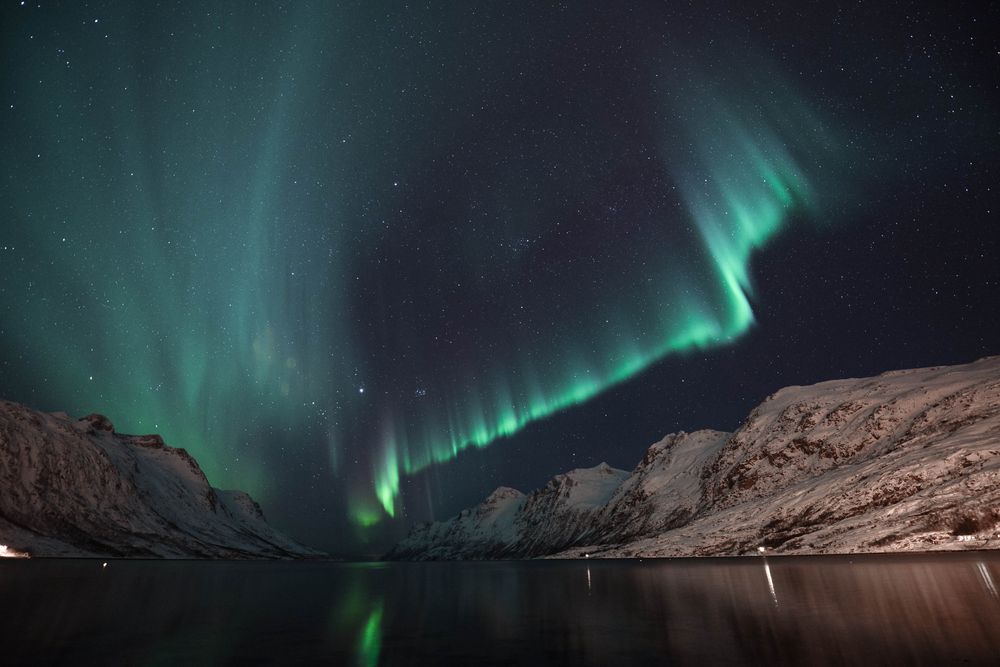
pixel 368 261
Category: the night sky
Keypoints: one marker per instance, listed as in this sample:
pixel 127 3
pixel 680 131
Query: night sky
pixel 368 261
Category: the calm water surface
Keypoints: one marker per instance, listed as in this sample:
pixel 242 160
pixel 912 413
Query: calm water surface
pixel 932 610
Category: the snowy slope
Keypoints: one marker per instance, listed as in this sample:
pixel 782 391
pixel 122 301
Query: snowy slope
pixel 75 488
pixel 511 524
pixel 664 491
pixel 906 460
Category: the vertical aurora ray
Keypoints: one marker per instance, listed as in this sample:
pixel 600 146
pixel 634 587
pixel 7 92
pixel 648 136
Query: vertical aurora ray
pixel 159 234
pixel 746 160
pixel 325 248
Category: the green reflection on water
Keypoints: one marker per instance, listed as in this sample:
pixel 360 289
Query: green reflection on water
pixel 357 613
pixel 370 640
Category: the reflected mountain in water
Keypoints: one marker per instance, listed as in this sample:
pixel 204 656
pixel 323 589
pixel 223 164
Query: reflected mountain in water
pixel 941 609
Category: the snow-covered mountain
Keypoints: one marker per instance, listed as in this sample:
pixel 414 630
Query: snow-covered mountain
pixel 907 460
pixel 76 488
pixel 511 524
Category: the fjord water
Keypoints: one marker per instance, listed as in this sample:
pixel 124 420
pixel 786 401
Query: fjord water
pixel 922 609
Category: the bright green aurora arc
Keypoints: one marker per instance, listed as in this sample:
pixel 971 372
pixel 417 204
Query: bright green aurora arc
pixel 744 173
pixel 325 245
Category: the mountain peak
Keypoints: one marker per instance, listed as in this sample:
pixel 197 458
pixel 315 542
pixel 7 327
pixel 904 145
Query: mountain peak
pixel 78 488
pixel 504 492
pixel 907 460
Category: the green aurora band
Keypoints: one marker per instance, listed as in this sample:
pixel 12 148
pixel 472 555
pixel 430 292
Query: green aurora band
pixel 150 203
pixel 747 160
pixel 193 200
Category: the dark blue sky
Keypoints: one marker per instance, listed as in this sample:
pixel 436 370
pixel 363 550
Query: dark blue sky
pixel 369 261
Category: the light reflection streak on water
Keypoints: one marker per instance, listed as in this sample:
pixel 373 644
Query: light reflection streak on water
pixel 770 582
pixel 987 579
pixel 588 579
pixel 922 609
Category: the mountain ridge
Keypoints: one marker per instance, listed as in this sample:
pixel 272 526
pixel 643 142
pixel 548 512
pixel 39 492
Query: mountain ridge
pixel 77 488
pixel 906 460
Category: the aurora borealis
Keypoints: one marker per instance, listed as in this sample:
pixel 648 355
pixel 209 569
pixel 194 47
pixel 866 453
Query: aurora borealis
pixel 738 187
pixel 328 247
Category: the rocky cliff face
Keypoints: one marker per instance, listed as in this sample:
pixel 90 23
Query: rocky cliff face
pixel 908 460
pixel 76 488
